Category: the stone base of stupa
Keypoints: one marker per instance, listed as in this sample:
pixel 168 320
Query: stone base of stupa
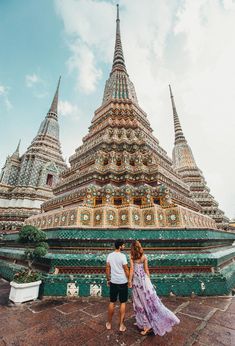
pixel 183 261
pixel 127 216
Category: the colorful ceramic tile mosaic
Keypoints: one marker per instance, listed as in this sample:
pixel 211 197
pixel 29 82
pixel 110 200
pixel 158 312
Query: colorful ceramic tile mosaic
pixel 122 184
pixel 27 180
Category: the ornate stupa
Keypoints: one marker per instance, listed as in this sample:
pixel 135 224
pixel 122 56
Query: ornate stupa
pixel 122 184
pixel 184 164
pixel 120 176
pixel 26 181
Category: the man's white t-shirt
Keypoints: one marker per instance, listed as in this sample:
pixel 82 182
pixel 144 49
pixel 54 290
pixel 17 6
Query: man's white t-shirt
pixel 117 260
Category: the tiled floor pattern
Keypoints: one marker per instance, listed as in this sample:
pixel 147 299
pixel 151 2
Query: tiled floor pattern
pixel 205 321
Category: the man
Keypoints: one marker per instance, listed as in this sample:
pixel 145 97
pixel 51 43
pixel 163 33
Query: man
pixel 117 274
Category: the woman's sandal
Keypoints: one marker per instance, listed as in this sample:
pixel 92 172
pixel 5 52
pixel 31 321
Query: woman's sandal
pixel 146 332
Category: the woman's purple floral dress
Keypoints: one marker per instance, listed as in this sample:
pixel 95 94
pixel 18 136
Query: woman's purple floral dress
pixel 149 310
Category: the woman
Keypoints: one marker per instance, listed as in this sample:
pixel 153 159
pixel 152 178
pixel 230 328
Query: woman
pixel 150 313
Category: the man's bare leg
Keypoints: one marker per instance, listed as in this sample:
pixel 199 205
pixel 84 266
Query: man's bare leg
pixel 110 315
pixel 122 327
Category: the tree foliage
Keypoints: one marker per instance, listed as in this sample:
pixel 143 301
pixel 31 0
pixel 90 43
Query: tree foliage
pixel 35 240
pixel 30 234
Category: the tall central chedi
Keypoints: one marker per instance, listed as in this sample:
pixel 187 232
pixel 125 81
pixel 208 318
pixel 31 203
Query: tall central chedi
pixel 120 176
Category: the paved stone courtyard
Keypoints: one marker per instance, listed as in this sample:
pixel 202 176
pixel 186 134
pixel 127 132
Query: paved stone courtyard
pixel 204 321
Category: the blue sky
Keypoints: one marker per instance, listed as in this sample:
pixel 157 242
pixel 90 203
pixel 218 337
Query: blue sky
pixel 189 44
pixel 33 55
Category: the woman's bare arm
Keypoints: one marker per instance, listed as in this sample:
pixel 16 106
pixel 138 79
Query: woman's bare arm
pixel 131 273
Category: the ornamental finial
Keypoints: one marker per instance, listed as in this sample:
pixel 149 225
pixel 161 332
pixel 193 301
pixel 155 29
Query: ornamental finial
pixel 117 12
pixel 170 90
pixel 18 146
pixel 118 59
pixel 17 151
pixel 54 105
pixel 179 136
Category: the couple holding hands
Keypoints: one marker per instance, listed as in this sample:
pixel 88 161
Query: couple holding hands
pixel 150 313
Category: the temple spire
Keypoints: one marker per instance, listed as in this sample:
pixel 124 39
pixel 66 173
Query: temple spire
pixel 118 58
pixel 118 13
pixel 119 86
pixel 49 126
pixel 17 151
pixel 182 154
pixel 179 136
pixel 18 147
pixel 54 105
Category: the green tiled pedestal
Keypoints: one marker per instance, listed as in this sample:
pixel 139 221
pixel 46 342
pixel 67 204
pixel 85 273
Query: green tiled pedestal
pixel 199 261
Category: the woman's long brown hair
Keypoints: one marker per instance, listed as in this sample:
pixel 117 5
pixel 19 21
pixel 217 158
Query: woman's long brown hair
pixel 136 250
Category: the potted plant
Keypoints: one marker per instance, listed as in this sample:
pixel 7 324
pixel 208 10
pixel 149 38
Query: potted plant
pixel 25 284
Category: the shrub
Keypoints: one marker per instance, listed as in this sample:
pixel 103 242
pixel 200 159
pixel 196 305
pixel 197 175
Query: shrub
pixel 23 276
pixel 36 248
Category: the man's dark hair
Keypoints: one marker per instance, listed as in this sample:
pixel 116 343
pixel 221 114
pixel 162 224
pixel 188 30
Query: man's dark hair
pixel 118 243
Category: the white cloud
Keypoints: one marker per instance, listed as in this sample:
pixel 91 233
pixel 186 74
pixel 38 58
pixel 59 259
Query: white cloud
pixel 69 110
pixel 4 95
pixel 32 79
pixel 37 84
pixel 3 90
pixel 83 63
pixel 189 44
pixel 229 4
pixel 87 32
pixel 207 91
